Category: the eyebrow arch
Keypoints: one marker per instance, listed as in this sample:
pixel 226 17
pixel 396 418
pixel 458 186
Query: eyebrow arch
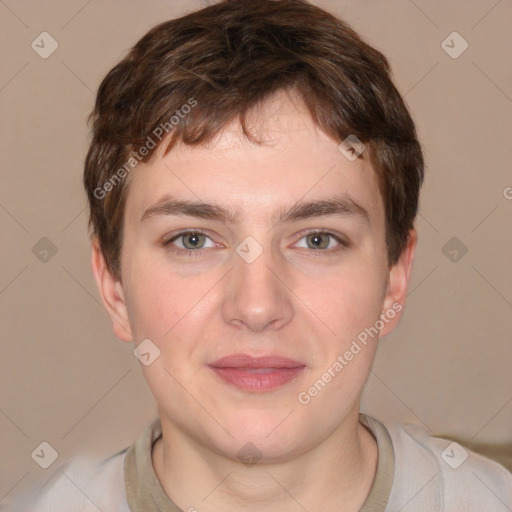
pixel 337 205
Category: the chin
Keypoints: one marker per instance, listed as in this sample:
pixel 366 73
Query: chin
pixel 267 432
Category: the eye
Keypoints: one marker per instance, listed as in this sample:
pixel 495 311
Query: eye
pixel 190 241
pixel 322 240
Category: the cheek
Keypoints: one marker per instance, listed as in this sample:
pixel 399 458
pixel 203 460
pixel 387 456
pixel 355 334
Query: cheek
pixel 172 310
pixel 347 301
pixel 350 305
pixel 163 311
pixel 157 300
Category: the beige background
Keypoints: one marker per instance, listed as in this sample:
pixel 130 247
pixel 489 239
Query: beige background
pixel 68 381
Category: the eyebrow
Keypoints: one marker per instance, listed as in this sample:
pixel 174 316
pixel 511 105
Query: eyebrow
pixel 342 205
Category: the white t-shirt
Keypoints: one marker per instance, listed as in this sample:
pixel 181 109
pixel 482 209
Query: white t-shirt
pixel 415 473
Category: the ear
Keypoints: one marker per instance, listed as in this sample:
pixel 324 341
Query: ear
pixel 398 281
pixel 112 294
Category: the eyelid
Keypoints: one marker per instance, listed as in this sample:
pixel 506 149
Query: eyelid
pixel 342 241
pixel 185 232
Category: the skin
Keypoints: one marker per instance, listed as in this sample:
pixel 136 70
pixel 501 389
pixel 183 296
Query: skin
pixel 294 300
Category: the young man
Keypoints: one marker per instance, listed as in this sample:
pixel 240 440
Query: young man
pixel 253 181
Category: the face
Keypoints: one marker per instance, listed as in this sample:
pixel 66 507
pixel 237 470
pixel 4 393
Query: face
pixel 257 274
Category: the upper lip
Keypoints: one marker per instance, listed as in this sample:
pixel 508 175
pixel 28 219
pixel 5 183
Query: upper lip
pixel 247 361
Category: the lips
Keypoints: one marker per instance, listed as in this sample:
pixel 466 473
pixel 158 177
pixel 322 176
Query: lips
pixel 256 374
pixel 245 361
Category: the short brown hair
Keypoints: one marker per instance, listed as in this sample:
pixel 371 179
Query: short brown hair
pixel 224 60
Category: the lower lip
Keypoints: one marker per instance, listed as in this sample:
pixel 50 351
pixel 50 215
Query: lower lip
pixel 257 381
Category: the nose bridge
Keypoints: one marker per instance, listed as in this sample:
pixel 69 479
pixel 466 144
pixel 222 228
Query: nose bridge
pixel 255 296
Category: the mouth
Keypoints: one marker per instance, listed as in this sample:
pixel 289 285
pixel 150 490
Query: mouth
pixel 256 374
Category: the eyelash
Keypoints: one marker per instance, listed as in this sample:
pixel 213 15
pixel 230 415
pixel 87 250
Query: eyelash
pixel 197 252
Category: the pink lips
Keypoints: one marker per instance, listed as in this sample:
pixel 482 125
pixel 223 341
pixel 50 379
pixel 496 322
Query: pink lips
pixel 256 374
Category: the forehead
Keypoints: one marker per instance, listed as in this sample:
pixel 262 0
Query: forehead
pixel 295 161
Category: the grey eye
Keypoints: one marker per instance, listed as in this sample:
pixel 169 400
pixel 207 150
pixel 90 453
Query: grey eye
pixel 318 240
pixel 193 240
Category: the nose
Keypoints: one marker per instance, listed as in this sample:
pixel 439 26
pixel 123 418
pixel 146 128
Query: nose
pixel 255 297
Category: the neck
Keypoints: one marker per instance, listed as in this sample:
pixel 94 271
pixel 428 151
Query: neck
pixel 339 472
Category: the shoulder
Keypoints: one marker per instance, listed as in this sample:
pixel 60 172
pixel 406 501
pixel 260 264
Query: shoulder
pixel 82 485
pixel 443 475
